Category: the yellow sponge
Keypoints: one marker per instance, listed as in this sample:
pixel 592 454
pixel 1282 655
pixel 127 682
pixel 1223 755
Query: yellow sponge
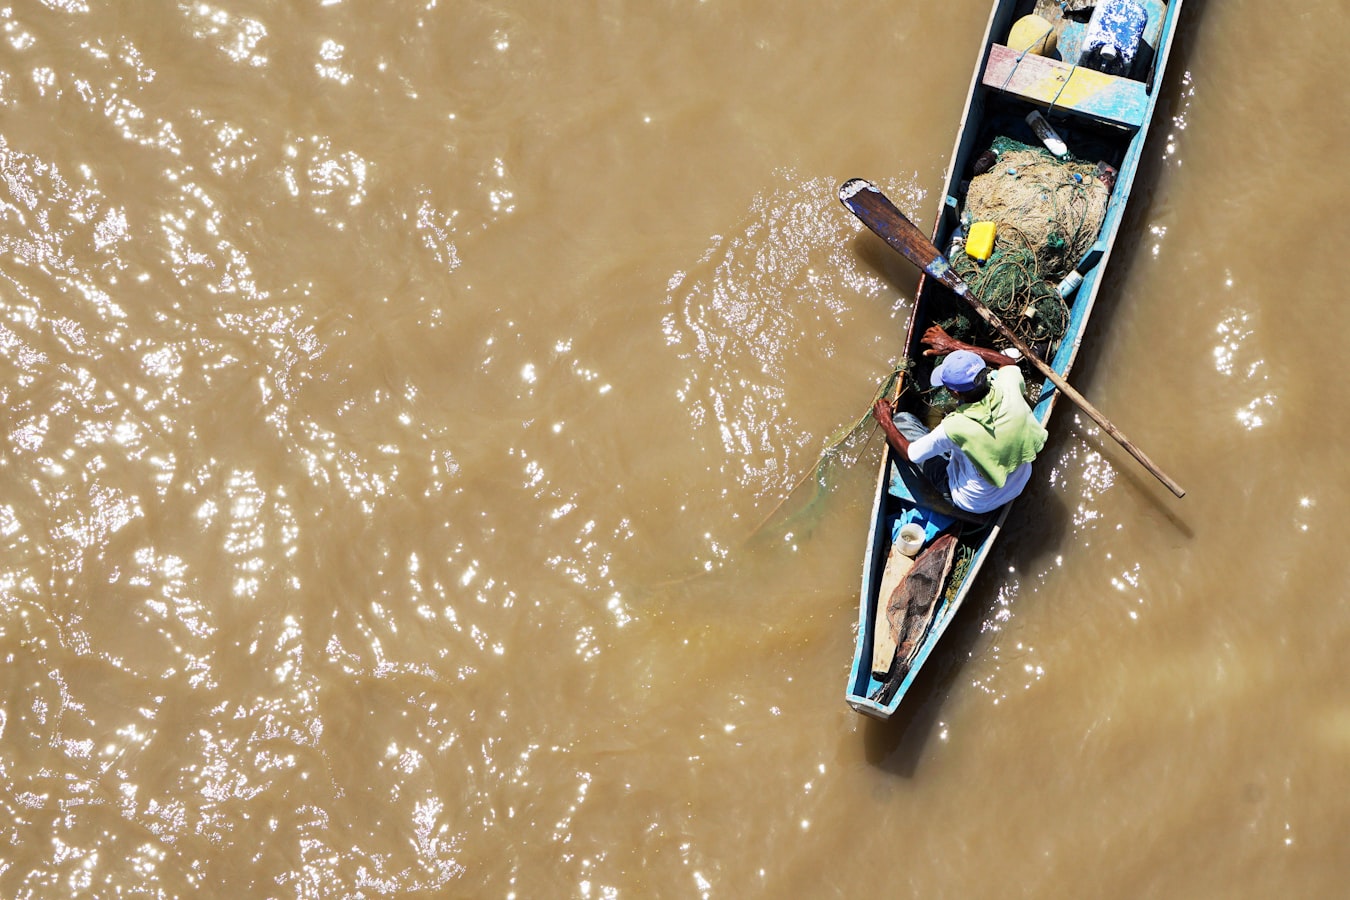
pixel 980 241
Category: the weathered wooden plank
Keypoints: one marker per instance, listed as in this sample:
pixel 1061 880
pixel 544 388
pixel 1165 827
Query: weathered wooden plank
pixel 883 636
pixel 1073 88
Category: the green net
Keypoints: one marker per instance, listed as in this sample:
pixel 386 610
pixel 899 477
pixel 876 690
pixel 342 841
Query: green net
pixel 838 447
pixel 1010 284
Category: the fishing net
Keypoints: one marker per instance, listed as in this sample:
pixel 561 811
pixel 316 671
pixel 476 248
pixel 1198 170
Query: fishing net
pixel 1052 207
pixel 839 447
pixel 1011 286
pixel 1048 212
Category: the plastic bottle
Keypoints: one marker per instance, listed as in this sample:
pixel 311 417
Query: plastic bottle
pixel 985 161
pixel 1048 136
pixel 1069 284
pixel 1071 281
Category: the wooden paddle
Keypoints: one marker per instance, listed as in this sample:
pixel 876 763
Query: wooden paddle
pixel 866 201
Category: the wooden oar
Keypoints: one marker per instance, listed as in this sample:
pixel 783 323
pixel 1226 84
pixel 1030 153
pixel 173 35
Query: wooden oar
pixel 866 201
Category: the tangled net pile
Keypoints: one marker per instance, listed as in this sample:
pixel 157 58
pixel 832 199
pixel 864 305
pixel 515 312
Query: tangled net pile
pixel 1054 207
pixel 1048 213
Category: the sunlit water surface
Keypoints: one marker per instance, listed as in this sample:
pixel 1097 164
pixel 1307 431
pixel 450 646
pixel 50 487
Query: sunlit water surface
pixel 401 400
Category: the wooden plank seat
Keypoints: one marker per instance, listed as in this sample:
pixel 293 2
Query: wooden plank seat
pixel 1069 88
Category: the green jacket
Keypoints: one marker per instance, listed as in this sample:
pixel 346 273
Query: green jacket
pixel 997 433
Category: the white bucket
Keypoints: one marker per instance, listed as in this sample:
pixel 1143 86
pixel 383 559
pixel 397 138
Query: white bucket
pixel 910 538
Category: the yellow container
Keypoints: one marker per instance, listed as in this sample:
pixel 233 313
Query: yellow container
pixel 1032 34
pixel 980 242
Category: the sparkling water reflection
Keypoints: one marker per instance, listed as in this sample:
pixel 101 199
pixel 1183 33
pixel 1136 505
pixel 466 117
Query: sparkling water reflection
pixel 398 396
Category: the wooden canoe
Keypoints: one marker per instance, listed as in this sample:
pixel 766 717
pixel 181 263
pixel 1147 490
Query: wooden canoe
pixel 1108 115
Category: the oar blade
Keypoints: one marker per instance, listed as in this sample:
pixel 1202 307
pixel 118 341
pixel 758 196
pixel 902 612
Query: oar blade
pixel 875 210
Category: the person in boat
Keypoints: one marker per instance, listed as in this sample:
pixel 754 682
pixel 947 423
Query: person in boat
pixel 979 456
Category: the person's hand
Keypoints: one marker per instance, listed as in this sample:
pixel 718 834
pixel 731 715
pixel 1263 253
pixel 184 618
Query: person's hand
pixel 940 342
pixel 883 411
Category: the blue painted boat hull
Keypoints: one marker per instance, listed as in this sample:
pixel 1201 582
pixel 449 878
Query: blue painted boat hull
pixel 995 95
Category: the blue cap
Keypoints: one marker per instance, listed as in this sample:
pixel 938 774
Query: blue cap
pixel 959 371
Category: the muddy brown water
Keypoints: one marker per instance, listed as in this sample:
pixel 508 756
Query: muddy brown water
pixel 394 393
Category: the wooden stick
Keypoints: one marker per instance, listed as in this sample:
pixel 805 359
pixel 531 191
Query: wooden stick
pixel 866 201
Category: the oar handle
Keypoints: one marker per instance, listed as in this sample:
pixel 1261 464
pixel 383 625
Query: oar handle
pixel 866 201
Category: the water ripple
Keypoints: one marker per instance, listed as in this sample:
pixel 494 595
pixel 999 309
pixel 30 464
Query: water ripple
pixel 757 299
